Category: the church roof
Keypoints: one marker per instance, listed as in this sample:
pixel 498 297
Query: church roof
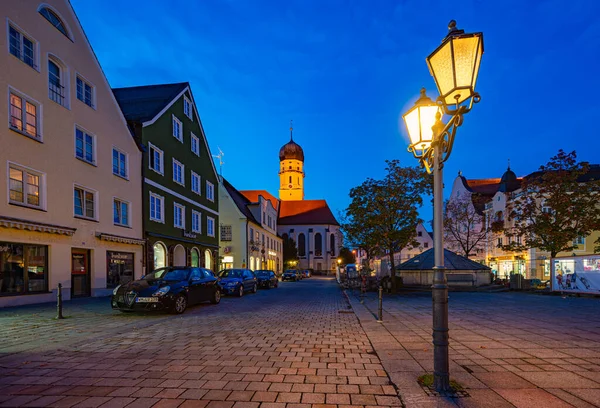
pixel 305 212
pixel 452 261
pixel 291 150
pixel 252 195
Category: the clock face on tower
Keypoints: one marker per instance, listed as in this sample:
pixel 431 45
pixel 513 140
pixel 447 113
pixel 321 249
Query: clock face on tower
pixel 290 186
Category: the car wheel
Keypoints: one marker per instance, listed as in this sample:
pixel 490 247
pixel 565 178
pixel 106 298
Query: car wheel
pixel 216 297
pixel 241 291
pixel 255 288
pixel 180 304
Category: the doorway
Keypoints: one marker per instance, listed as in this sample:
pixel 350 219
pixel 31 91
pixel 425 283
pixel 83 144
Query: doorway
pixel 80 273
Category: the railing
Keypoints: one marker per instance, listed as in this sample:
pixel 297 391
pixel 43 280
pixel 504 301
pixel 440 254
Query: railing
pixel 56 92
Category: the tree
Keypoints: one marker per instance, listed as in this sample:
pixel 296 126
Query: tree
pixel 383 214
pixel 346 256
pixel 464 228
pixel 290 251
pixel 556 205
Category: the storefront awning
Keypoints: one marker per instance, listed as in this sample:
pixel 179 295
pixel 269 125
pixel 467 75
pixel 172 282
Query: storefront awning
pixel 119 239
pixel 17 223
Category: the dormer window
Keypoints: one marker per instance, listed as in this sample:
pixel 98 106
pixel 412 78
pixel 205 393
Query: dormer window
pixel 54 20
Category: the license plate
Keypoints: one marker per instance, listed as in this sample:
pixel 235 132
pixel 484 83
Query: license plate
pixel 146 300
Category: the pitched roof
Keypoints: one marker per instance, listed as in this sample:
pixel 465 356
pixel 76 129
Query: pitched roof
pixel 452 261
pixel 305 212
pixel 143 103
pixel 252 195
pixel 240 201
pixel 482 186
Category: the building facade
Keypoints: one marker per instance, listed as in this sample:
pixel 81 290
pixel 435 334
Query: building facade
pixel 179 194
pixel 70 185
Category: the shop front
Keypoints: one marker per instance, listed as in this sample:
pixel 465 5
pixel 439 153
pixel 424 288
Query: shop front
pixel 23 268
pixel 577 274
pixel 164 251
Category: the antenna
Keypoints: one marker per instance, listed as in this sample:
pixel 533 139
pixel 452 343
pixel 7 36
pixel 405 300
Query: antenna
pixel 221 162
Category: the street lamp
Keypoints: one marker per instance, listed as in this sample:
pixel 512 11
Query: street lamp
pixel 454 66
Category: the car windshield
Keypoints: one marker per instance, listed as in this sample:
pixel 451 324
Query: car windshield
pixel 290 271
pixel 169 274
pixel 261 273
pixel 231 273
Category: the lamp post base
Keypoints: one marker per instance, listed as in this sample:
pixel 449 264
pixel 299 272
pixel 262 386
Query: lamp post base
pixel 441 366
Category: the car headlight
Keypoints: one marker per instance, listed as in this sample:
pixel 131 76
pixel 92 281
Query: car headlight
pixel 115 289
pixel 162 291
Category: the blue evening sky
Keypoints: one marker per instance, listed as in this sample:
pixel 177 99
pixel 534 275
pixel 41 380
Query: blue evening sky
pixel 345 71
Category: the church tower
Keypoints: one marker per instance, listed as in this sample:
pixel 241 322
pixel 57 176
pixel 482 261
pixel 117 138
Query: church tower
pixel 291 171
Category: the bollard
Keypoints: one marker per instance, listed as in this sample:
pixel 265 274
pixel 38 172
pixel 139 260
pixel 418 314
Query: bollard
pixel 59 302
pixel 380 314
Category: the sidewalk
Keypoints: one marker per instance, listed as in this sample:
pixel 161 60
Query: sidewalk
pixel 506 349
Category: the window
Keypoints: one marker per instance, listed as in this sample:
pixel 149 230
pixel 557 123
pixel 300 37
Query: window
pixel 419 233
pixel 84 201
pixel 178 172
pixel 195 145
pixel 24 187
pixel 24 268
pixel 318 244
pixel 196 183
pixel 156 158
pixel 579 241
pixel 84 146
pixel 85 92
pixel 426 245
pixel 301 245
pixel 500 241
pixel 157 208
pixel 56 89
pixel 331 244
pixel 226 234
pixel 178 216
pixel 210 226
pixel 187 107
pixel 120 212
pixel 196 226
pixel 177 129
pixel 119 268
pixel 210 191
pixel 54 20
pixel 21 47
pixel 119 163
pixel 24 115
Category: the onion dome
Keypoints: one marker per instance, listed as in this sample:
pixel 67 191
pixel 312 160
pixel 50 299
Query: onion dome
pixel 509 181
pixel 291 150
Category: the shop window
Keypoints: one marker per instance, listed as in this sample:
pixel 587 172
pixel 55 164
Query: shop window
pixel 195 258
pixel 207 259
pixel 119 268
pixel 23 269
pixel 160 255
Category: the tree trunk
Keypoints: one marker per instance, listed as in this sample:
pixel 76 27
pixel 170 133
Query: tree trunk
pixel 393 272
pixel 553 282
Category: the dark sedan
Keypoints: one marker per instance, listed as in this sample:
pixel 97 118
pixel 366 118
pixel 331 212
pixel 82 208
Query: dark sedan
pixel 171 289
pixel 237 281
pixel 291 275
pixel 266 279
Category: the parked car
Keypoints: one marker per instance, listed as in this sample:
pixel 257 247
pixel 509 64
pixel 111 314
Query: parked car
pixel 266 279
pixel 171 289
pixel 291 275
pixel 306 273
pixel 237 281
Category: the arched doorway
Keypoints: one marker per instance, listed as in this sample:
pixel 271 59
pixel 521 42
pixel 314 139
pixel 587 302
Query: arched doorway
pixel 251 265
pixel 160 255
pixel 208 260
pixel 179 256
pixel 195 257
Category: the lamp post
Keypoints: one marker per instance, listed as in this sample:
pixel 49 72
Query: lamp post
pixel 454 66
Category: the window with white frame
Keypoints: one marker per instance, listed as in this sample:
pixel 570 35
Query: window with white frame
pixel 84 146
pixel 57 79
pixel 157 208
pixel 178 216
pixel 210 226
pixel 25 186
pixel 85 92
pixel 178 172
pixel 210 191
pixel 21 46
pixel 177 129
pixel 84 202
pixel 195 145
pixel 579 241
pixel 196 183
pixel 226 234
pixel 55 20
pixel 24 115
pixel 120 212
pixel 187 107
pixel 155 158
pixel 196 223
pixel 119 163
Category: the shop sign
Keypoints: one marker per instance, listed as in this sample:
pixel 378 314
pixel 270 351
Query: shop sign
pixel 188 234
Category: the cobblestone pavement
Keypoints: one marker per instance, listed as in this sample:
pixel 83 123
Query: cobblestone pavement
pixel 294 347
pixel 506 349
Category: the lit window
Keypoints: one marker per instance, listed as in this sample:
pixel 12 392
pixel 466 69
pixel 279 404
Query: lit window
pixel 187 107
pixel 196 221
pixel 85 92
pixel 210 191
pixel 177 129
pixel 24 116
pixel 121 212
pixel 21 47
pixel 84 203
pixel 156 207
pixel 178 216
pixel 195 145
pixel 195 183
pixel 210 226
pixel 84 146
pixel 24 187
pixel 156 158
pixel 54 20
pixel 119 163
pixel 178 172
